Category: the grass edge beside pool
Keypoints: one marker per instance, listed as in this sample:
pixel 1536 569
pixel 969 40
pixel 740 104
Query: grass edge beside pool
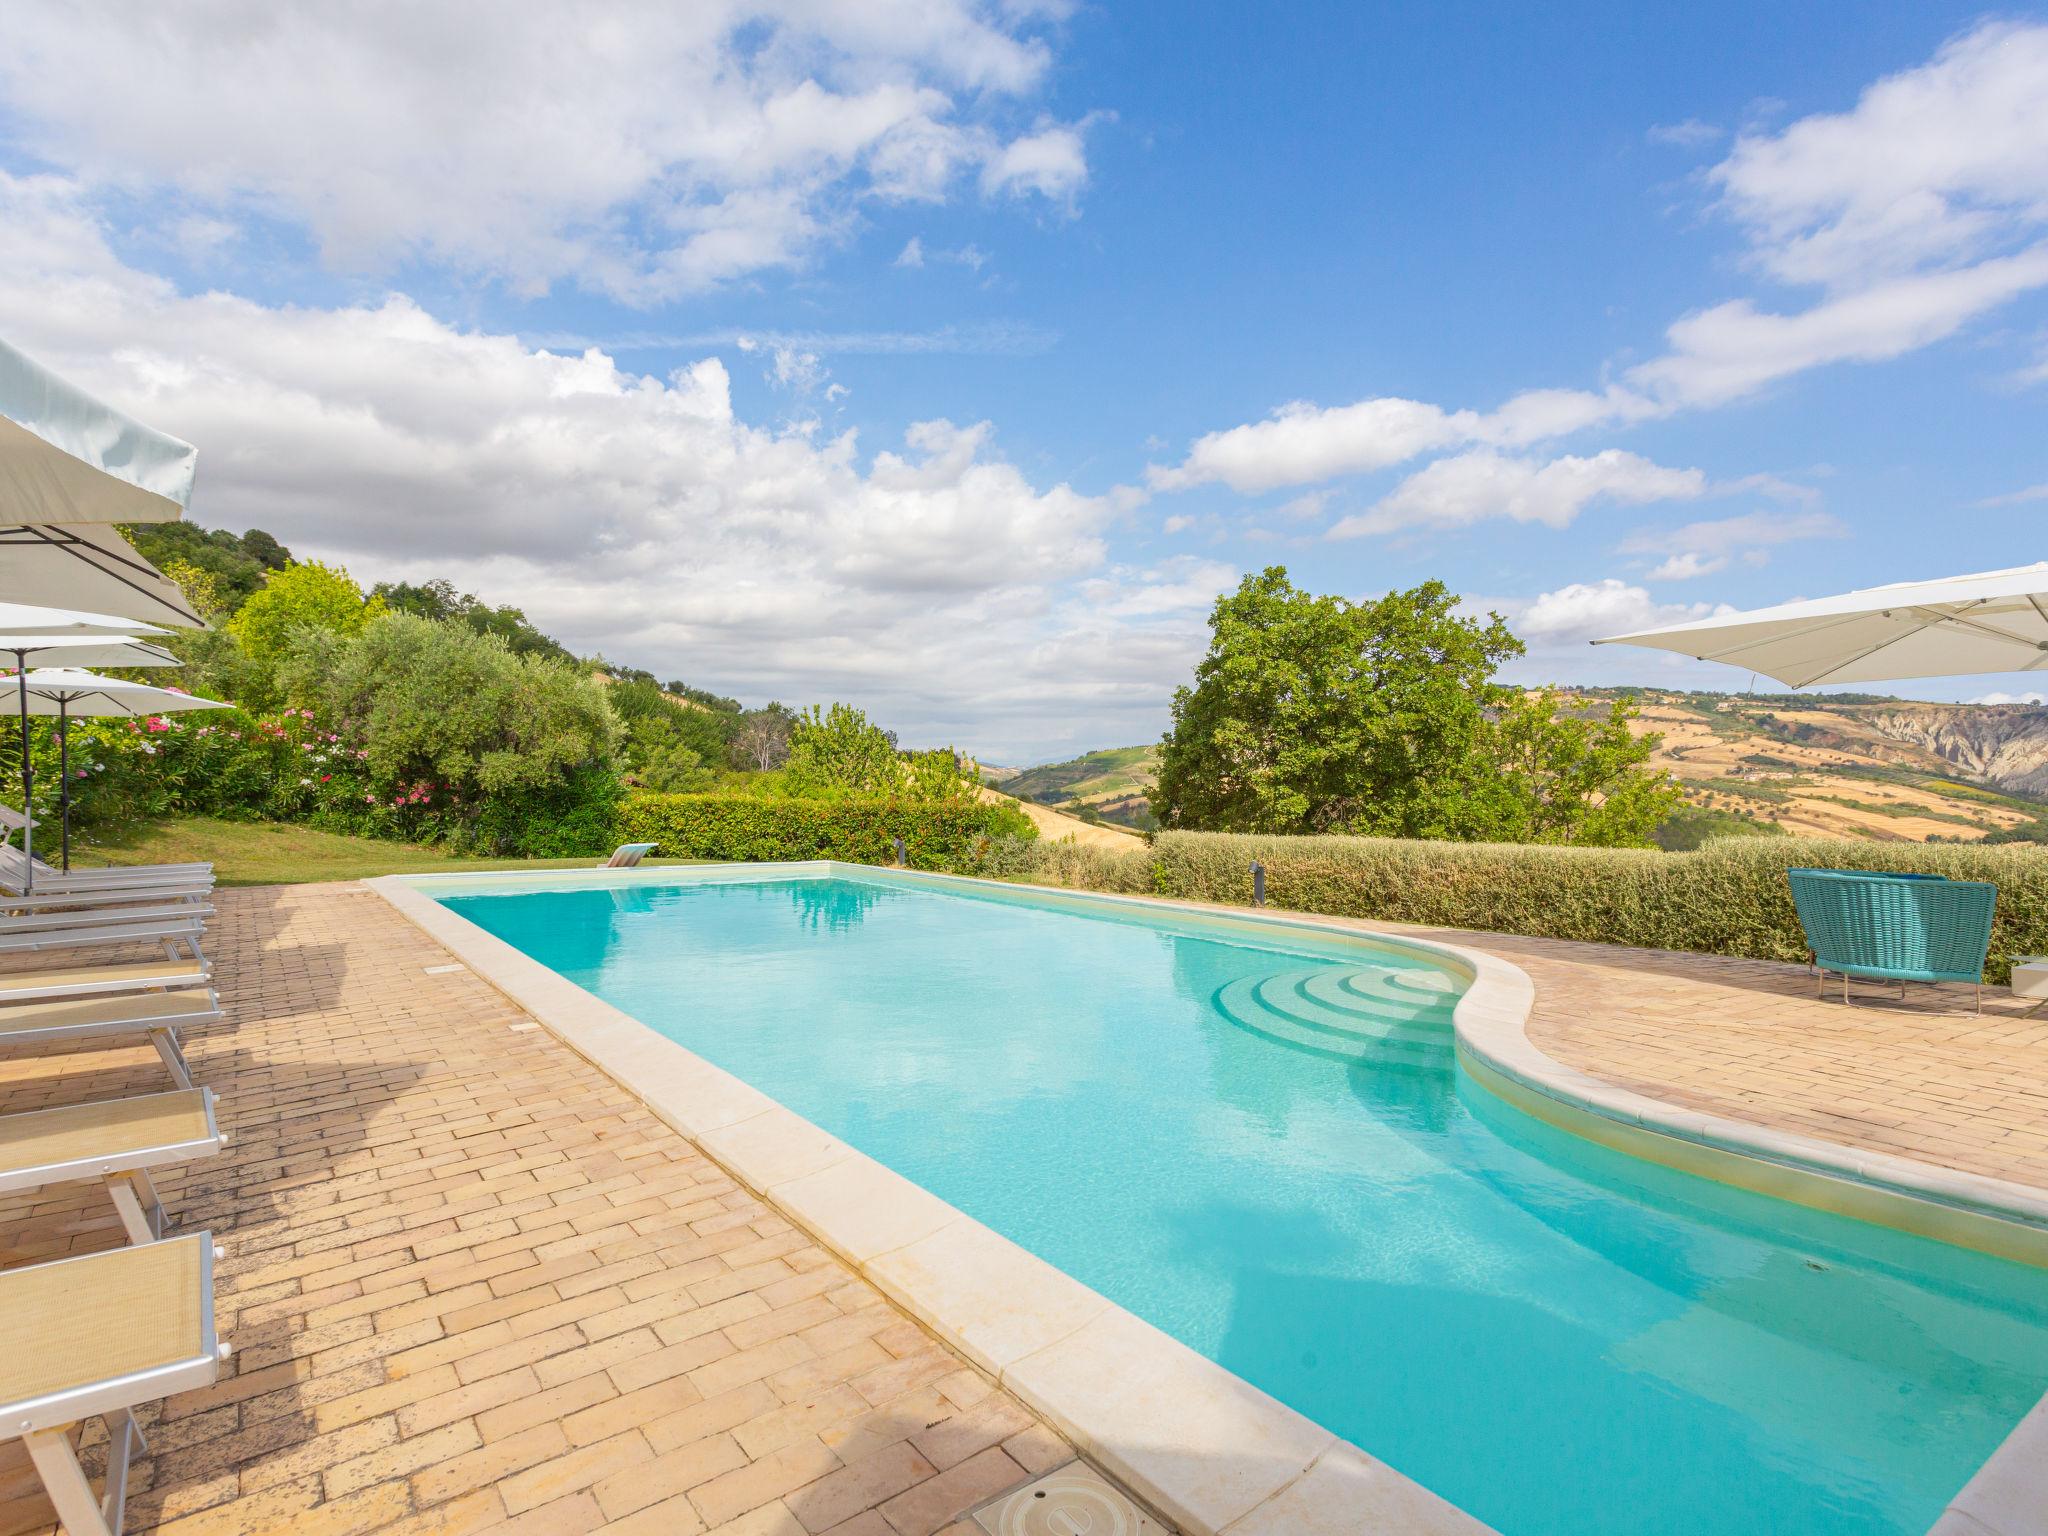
pixel 280 853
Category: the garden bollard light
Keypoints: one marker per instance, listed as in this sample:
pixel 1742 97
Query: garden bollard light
pixel 1258 884
pixel 901 863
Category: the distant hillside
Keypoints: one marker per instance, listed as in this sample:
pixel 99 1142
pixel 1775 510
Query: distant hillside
pixel 1888 769
pixel 1109 785
pixel 1860 765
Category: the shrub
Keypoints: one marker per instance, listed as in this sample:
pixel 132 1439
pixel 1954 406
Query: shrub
pixel 1068 862
pixel 1729 898
pixel 963 837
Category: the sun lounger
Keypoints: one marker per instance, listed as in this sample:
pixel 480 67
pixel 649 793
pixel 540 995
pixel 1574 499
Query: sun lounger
pixel 628 855
pixel 183 934
pixel 100 1335
pixel 96 900
pixel 114 1140
pixel 52 919
pixel 158 1015
pixel 92 980
pixel 16 869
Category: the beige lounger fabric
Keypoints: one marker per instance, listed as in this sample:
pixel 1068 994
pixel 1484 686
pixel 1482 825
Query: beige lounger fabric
pixel 140 1009
pixel 116 1129
pixel 68 1325
pixel 86 977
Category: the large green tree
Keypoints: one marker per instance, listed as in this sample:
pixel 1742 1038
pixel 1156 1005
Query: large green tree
pixel 839 751
pixel 1317 714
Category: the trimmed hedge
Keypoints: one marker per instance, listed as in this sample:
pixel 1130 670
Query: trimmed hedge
pixel 1728 898
pixel 964 838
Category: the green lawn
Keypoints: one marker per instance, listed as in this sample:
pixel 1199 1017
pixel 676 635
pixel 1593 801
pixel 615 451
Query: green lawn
pixel 273 853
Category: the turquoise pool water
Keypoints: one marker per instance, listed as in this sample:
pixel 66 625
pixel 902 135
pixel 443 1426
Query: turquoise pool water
pixel 1262 1146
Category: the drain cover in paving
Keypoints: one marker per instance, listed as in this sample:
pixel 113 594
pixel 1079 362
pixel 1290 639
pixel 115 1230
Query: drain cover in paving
pixel 1074 1501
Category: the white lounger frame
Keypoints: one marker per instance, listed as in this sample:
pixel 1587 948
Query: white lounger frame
pixel 140 979
pixel 44 1423
pixel 57 919
pixel 172 932
pixel 126 1174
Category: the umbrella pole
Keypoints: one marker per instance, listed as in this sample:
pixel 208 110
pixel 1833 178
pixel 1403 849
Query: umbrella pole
pixel 64 775
pixel 28 779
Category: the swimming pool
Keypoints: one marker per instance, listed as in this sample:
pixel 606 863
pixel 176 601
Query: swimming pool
pixel 1258 1141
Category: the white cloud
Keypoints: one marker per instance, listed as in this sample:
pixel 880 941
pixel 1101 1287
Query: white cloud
pixel 932 581
pixel 1690 134
pixel 2011 698
pixel 1177 524
pixel 1916 213
pixel 1699 549
pixel 797 371
pixel 1734 349
pixel 2017 498
pixel 1051 162
pixel 1301 443
pixel 1937 163
pixel 1586 611
pixel 912 254
pixel 1482 484
pixel 643 148
pixel 1685 567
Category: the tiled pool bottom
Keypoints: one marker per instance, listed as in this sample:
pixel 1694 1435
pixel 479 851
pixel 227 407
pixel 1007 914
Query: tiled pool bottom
pixel 1555 1337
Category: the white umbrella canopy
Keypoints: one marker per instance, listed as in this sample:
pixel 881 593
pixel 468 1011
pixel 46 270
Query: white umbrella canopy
pixel 36 619
pixel 82 651
pixel 75 691
pixel 1959 626
pixel 87 566
pixel 67 692
pixel 71 467
pixel 68 458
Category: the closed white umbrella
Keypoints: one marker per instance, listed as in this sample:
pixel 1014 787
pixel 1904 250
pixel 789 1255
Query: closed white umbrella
pixel 1960 626
pixel 66 691
pixel 71 467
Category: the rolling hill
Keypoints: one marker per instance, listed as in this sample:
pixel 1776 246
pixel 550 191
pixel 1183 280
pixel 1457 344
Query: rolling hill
pixel 1892 770
pixel 1109 785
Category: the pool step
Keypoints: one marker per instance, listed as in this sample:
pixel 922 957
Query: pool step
pixel 1363 1015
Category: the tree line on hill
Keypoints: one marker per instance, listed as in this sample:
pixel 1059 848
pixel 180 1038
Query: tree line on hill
pixel 421 712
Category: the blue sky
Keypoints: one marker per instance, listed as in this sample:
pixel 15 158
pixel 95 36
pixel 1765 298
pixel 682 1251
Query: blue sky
pixel 950 358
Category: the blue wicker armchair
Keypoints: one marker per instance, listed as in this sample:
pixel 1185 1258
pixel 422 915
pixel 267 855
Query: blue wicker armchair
pixel 1895 927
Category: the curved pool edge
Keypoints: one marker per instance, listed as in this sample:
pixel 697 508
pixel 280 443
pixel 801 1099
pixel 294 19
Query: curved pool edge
pixel 1206 1449
pixel 1211 1452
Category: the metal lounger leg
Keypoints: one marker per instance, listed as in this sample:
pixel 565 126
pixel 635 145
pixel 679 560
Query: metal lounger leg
pixel 124 1439
pixel 64 1481
pixel 142 1214
pixel 166 1043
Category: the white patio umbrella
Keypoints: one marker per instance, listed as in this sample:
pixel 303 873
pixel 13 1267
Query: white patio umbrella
pixel 83 651
pixel 88 567
pixel 35 619
pixel 1960 626
pixel 30 627
pixel 67 691
pixel 71 467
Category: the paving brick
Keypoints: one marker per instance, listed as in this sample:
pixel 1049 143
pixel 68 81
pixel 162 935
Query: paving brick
pixel 728 1497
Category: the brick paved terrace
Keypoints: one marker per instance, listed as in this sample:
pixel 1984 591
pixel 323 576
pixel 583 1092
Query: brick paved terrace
pixel 473 1285
pixel 1927 1077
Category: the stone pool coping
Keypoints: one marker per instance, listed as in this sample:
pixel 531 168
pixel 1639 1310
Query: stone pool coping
pixel 1205 1448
